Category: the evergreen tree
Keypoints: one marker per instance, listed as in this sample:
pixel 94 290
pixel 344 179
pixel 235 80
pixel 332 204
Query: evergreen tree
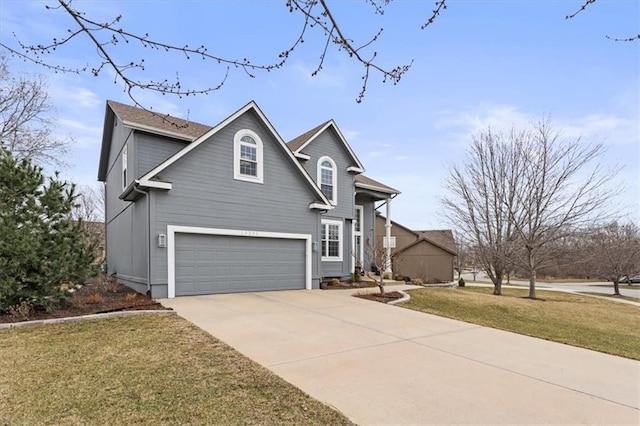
pixel 42 250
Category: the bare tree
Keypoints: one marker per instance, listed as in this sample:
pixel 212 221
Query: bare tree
pixel 615 252
pixel 379 259
pixel 478 189
pixel 89 210
pixel 562 188
pixel 25 118
pixel 315 17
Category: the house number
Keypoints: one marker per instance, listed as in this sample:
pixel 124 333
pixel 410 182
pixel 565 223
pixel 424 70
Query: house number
pixel 249 233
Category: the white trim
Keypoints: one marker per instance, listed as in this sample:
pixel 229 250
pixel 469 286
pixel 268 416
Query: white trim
pixel 154 184
pixel 125 164
pixel 355 234
pixel 320 206
pixel 237 143
pixel 334 178
pixel 355 169
pixel 340 240
pixel 172 230
pixel 250 106
pixel 373 187
pixel 151 129
pixel 340 136
pixel 302 156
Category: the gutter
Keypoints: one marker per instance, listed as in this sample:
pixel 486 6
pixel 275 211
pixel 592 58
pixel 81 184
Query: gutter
pixel 146 194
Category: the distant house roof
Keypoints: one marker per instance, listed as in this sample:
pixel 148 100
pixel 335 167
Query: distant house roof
pixel 364 182
pixel 442 238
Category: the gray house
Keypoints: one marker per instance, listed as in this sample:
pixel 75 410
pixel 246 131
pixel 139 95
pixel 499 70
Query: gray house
pixel 196 209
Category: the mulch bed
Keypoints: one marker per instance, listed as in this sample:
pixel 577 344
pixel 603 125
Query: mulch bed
pixel 100 296
pixel 384 298
pixel 342 285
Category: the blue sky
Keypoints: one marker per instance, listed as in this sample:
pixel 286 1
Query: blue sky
pixel 498 63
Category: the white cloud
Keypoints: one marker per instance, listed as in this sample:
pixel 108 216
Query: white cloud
pixel 74 96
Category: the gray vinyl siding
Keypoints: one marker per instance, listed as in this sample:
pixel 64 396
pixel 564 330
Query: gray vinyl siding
pixel 328 144
pixel 126 222
pixel 127 246
pixel 152 150
pixel 204 194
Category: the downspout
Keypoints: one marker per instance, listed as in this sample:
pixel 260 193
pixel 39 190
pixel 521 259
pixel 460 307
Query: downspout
pixel 147 198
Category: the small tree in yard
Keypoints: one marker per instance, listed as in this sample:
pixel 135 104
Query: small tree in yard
pixel 379 260
pixel 42 249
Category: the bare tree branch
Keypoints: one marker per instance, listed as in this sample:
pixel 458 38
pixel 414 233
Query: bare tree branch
pixel 582 8
pixel 25 119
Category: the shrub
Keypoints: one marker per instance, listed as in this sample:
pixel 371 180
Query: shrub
pixel 461 282
pixel 334 281
pixel 355 277
pixel 41 246
pixel 95 299
pixel 418 281
pixel 22 311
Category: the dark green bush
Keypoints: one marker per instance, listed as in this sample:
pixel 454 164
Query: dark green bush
pixel 43 250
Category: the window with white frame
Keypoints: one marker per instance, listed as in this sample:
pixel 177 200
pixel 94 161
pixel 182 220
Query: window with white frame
pixel 331 238
pixel 124 167
pixel 247 156
pixel 327 178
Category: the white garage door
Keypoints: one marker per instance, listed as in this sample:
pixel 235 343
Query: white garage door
pixel 210 264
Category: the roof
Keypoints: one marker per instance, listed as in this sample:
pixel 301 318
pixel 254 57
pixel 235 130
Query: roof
pixel 442 238
pixel 164 123
pixel 195 133
pixel 303 138
pixel 298 144
pixel 365 182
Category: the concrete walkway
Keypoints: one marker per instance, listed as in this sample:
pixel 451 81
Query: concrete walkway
pixel 381 364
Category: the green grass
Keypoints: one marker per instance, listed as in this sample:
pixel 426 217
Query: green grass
pixel 582 321
pixel 141 370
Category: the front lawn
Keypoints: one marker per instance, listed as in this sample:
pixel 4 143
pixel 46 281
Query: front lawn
pixel 582 321
pixel 145 370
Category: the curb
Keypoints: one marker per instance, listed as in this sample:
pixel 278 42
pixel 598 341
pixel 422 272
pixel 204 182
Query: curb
pixel 404 298
pixel 10 325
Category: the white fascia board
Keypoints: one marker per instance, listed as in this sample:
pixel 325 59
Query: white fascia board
pixel 163 132
pixel 320 206
pixel 302 156
pixel 172 230
pixel 154 184
pixel 374 188
pixel 355 169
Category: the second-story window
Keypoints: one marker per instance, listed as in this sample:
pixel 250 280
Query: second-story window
pixel 247 156
pixel 327 178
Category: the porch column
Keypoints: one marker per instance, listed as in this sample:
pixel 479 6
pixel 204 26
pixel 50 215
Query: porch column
pixel 387 226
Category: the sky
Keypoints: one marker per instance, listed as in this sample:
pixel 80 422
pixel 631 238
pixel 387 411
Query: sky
pixel 481 63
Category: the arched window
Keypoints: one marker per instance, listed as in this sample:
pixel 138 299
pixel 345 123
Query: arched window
pixel 247 156
pixel 327 179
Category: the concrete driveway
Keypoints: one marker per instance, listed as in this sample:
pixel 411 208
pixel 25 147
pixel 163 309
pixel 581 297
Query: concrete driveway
pixel 381 364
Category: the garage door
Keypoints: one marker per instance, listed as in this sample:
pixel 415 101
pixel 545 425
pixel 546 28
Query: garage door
pixel 210 264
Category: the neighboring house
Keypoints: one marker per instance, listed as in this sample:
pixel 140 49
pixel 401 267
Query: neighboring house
pixel 428 255
pixel 196 209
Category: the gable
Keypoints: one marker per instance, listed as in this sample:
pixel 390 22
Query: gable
pixel 203 181
pixel 303 144
pixel 152 178
pixel 422 247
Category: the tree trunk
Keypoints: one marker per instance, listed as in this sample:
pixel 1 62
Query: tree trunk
pixel 616 286
pixel 381 285
pixel 532 284
pixel 497 287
